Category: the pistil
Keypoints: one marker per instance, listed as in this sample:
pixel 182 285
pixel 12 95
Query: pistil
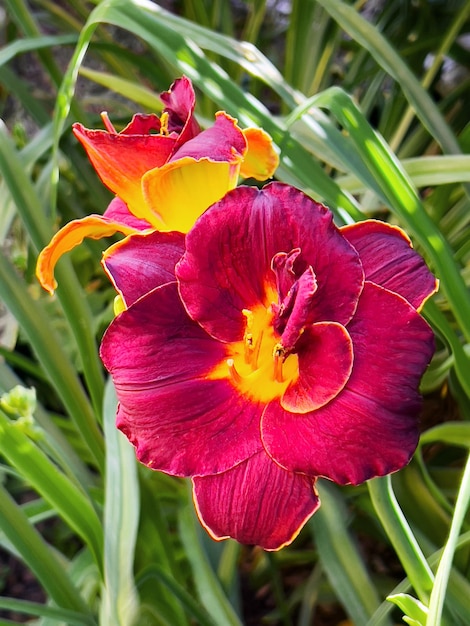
pixel 252 342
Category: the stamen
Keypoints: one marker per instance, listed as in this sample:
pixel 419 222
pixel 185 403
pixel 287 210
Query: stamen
pixel 248 347
pixel 255 351
pixel 248 336
pixel 107 122
pixel 164 119
pixel 249 319
pixel 237 379
pixel 279 354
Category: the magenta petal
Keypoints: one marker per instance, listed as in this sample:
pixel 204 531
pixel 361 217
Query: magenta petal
pixel 140 263
pixel 256 502
pixel 223 141
pixel 180 420
pixel 117 211
pixel 142 124
pixel 179 102
pixel 389 260
pixel 325 364
pixel 371 427
pixel 227 264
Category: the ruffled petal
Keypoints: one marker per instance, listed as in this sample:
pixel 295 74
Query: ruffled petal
pixel 325 364
pixel 261 159
pixel 142 262
pixel 227 264
pixel 389 260
pixel 256 502
pixel 121 160
pixel 71 235
pixel 180 420
pixel 371 427
pixel 223 141
pixel 142 124
pixel 181 191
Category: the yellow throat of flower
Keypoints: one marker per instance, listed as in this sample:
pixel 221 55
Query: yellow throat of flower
pixel 258 365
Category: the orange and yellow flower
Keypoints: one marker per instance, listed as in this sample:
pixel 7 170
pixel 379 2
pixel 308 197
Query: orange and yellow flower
pixel 164 170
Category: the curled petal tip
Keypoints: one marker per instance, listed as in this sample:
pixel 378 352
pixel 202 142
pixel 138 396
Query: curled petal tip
pixel 261 159
pixel 70 236
pixel 45 271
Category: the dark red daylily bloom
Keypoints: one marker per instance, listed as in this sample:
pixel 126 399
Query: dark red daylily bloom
pixel 165 170
pixel 266 349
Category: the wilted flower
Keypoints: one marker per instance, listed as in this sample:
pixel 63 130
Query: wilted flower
pixel 265 349
pixel 165 171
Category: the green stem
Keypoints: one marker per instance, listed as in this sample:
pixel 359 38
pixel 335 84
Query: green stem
pixel 399 532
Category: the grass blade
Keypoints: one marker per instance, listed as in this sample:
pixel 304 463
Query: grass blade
pixel 121 517
pixel 340 558
pixel 38 471
pixel 383 52
pixel 39 557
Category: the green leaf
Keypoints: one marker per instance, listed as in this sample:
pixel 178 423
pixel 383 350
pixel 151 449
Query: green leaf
pixel 452 433
pixel 72 618
pixel 70 503
pixel 157 573
pixel 411 607
pixel 207 585
pixel 385 54
pixel 426 171
pixel 438 594
pixel 31 211
pixel 341 559
pixel 39 557
pixel 401 536
pixel 33 43
pixel 47 346
pixel 119 604
pixel 127 88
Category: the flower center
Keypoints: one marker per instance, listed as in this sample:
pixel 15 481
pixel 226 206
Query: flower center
pixel 259 366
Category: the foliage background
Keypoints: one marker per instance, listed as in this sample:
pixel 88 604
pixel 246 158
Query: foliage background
pixel 368 104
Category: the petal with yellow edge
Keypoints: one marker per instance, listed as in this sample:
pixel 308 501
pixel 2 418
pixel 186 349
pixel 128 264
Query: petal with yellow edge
pixel 141 262
pixel 256 502
pixel 71 235
pixel 181 191
pixel 261 159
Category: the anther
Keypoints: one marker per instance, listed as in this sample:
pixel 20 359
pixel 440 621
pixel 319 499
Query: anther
pixel 279 354
pixel 237 379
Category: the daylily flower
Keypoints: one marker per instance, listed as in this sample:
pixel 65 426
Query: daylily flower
pixel 266 349
pixel 166 171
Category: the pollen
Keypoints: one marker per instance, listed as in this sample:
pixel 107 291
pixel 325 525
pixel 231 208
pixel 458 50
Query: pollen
pixel 164 118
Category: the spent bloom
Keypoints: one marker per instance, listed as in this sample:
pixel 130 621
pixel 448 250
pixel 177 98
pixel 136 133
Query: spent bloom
pixel 165 171
pixel 265 349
